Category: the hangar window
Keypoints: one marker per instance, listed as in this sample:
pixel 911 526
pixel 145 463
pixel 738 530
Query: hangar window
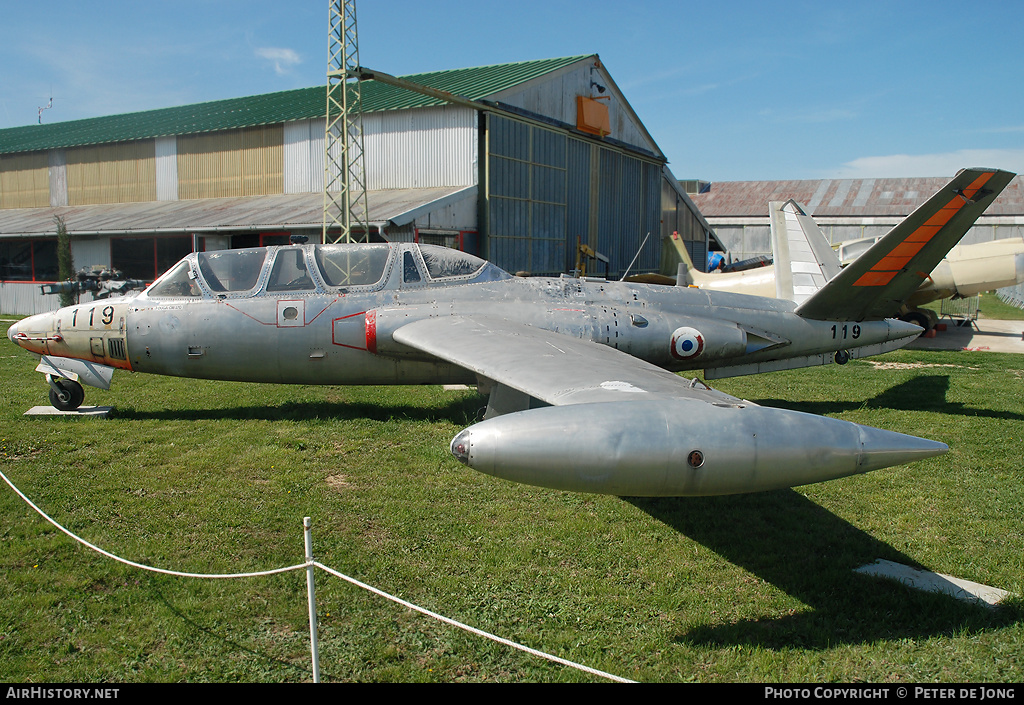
pixel 147 257
pixel 438 237
pixel 28 260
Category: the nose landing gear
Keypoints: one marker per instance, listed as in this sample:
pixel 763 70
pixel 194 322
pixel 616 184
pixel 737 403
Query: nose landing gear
pixel 65 394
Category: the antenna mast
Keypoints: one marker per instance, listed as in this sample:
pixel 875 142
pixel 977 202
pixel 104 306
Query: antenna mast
pixel 345 202
pixel 45 107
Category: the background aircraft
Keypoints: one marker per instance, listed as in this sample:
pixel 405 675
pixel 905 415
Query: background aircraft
pixel 601 355
pixel 968 270
pixel 804 260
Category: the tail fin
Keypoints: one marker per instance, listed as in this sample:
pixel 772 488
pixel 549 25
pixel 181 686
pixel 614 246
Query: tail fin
pixel 676 260
pixel 878 282
pixel 804 260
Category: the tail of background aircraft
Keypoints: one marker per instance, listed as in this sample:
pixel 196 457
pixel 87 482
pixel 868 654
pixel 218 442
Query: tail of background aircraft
pixel 675 257
pixel 878 282
pixel 804 259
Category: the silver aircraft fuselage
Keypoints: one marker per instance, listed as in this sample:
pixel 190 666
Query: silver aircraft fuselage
pixel 310 332
pixel 601 353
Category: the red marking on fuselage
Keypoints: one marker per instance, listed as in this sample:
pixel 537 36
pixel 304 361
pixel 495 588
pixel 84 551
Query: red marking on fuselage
pixel 371 331
pixel 322 310
pixel 262 323
pixel 334 324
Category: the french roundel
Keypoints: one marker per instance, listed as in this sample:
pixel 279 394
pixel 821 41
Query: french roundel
pixel 687 343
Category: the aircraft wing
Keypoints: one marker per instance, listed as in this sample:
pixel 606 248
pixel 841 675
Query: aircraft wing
pixel 552 367
pixel 878 282
pixel 620 426
pixel 804 260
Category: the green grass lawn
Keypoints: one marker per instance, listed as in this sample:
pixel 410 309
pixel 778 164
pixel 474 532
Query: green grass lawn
pixel 990 306
pixel 994 307
pixel 216 477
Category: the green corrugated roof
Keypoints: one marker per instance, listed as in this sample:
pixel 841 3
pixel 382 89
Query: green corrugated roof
pixel 299 104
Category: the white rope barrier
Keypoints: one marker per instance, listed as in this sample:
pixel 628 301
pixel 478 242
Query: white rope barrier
pixel 306 566
pixel 142 566
pixel 473 630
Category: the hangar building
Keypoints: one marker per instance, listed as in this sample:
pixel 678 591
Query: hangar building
pixel 539 156
pixel 845 209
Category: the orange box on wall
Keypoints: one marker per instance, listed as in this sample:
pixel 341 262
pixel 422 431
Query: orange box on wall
pixel 592 116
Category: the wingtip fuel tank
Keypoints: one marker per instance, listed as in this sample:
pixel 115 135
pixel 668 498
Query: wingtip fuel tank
pixel 679 448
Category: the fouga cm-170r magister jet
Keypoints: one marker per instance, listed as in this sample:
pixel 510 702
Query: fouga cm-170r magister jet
pixel 602 357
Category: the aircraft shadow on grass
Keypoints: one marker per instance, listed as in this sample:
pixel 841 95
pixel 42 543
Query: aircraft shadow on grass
pixel 781 536
pixel 806 551
pixel 460 410
pixel 923 393
pixel 236 647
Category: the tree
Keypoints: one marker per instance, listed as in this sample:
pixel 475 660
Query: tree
pixel 65 263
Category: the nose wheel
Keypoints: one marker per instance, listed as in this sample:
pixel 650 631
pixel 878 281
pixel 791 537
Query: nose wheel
pixel 65 394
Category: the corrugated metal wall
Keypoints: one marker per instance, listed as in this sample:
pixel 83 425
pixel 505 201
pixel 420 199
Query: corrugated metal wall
pixel 630 211
pixel 58 159
pixel 304 156
pixel 546 189
pixel 111 173
pixel 24 180
pixel 420 148
pixel 677 216
pixel 649 259
pixel 578 225
pixel 25 299
pixel 526 196
pixel 166 168
pixel 554 97
pixel 248 162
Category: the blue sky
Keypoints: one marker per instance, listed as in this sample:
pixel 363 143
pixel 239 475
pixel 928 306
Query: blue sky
pixel 730 90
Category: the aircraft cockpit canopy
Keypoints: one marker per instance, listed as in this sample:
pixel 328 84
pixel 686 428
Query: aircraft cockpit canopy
pixel 231 270
pixel 308 268
pixel 178 281
pixel 351 265
pixel 445 263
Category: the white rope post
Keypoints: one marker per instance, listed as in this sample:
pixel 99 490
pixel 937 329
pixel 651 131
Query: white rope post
pixel 314 645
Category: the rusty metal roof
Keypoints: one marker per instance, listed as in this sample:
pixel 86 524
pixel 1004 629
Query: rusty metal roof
pixel 252 213
pixel 840 197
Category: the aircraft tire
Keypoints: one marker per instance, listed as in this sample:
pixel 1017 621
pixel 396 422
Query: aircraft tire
pixel 918 319
pixel 70 397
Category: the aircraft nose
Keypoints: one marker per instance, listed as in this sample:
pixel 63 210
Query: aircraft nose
pixel 32 333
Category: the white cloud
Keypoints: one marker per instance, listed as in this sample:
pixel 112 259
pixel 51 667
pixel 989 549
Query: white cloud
pixel 946 164
pixel 283 59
